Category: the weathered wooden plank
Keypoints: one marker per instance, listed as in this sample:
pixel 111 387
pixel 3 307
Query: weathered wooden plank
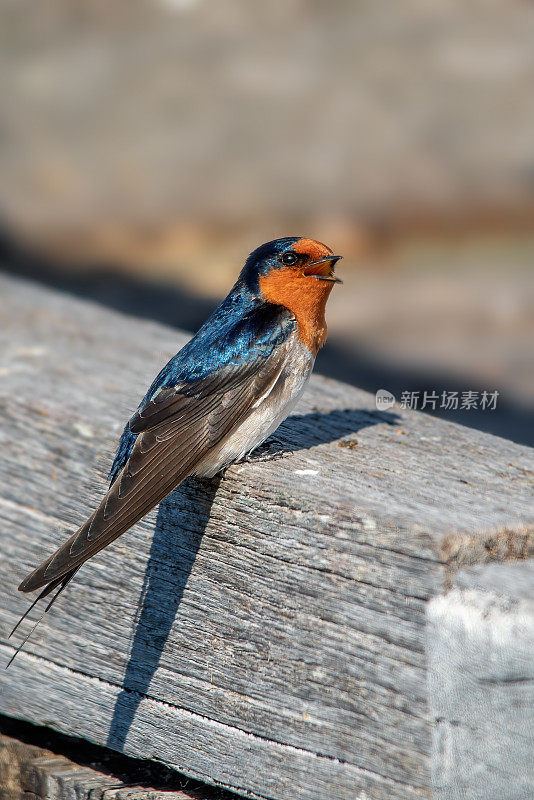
pixel 265 631
pixel 481 678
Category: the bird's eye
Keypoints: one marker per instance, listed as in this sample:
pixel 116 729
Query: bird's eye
pixel 289 258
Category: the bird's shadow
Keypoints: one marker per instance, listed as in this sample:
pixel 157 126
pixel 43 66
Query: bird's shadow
pixel 180 523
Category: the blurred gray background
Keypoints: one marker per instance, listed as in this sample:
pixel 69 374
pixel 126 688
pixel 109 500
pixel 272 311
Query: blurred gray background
pixel 146 147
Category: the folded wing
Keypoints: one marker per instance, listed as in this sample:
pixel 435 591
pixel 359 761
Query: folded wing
pixel 175 430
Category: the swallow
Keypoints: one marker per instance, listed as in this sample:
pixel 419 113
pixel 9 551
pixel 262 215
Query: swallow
pixel 215 401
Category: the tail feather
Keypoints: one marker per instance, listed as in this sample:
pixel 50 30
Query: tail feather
pixel 62 582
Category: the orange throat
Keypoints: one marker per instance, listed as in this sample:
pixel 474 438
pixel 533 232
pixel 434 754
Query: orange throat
pixel 305 297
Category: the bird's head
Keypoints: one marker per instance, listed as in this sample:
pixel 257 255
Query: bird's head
pixel 289 259
pixel 296 273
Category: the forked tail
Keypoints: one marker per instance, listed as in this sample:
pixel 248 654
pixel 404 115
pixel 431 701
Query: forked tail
pixel 62 583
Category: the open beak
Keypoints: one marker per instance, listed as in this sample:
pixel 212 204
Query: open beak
pixel 323 269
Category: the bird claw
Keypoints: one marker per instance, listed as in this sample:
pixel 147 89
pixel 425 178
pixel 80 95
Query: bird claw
pixel 264 452
pixel 260 454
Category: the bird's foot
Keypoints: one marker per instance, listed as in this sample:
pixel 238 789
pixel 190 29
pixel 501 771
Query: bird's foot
pixel 271 450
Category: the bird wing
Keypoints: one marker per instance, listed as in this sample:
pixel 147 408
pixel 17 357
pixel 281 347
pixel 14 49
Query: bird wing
pixel 175 430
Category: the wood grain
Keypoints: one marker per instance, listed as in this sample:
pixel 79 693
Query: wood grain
pixel 480 646
pixel 264 631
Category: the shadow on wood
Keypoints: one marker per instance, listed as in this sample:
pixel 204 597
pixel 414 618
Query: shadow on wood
pixel 304 431
pixel 157 607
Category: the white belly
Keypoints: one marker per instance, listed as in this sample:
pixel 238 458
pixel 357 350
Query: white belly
pixel 266 416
